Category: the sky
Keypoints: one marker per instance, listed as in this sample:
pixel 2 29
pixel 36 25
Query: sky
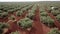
pixel 25 0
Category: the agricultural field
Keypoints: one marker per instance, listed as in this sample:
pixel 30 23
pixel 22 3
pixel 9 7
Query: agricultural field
pixel 30 17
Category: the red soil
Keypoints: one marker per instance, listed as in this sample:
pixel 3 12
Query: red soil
pixel 37 28
pixel 46 29
pixel 14 26
pixel 4 19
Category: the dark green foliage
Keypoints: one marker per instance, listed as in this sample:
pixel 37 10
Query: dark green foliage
pixel 1 11
pixel 55 12
pixel 12 17
pixel 16 32
pixel 30 15
pixel 44 14
pixel 4 14
pixel 47 20
pixel 25 23
pixel 2 26
pixel 54 31
pixel 19 13
pixel 58 17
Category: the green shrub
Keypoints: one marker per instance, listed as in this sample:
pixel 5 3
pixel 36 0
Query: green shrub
pixel 1 11
pixel 30 15
pixel 47 20
pixel 5 9
pixel 16 32
pixel 11 11
pixel 41 11
pixel 54 31
pixel 31 11
pixel 44 14
pixel 34 8
pixel 23 9
pixel 58 17
pixel 43 19
pixel 19 13
pixel 2 26
pixel 55 12
pixel 25 23
pixel 4 14
pixel 12 17
pixel 50 21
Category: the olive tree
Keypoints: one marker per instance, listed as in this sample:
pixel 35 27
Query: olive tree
pixel 3 26
pixel 58 17
pixel 25 23
pixel 16 32
pixel 47 20
pixel 44 14
pixel 54 31
pixel 55 12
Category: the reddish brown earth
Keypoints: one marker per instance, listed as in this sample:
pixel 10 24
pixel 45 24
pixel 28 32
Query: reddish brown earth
pixel 4 19
pixel 38 26
pixel 14 26
pixel 46 29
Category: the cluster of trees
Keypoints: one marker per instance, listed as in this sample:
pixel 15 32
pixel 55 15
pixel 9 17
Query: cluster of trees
pixel 46 19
